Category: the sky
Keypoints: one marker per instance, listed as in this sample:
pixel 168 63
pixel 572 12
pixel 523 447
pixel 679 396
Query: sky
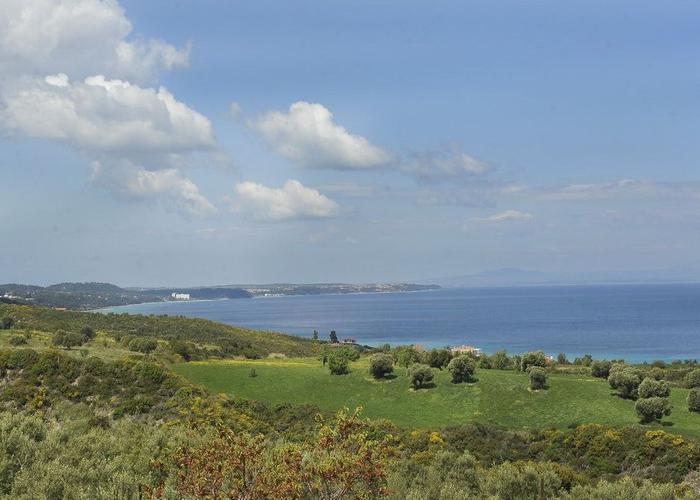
pixel 173 143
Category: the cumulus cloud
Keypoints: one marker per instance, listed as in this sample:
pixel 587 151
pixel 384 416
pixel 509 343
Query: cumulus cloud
pixel 308 136
pixel 507 215
pixel 292 201
pixel 106 116
pixel 168 186
pixel 436 166
pixel 70 72
pixel 80 38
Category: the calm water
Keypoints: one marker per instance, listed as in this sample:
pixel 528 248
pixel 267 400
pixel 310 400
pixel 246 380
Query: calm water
pixel 635 322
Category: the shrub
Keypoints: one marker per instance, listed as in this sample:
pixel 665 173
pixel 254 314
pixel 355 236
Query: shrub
pixel 650 388
pixel 694 400
pixel 406 356
pixel 421 375
pixel 67 339
pixel 500 360
pixel 462 369
pixel 88 333
pixel 601 369
pixel 144 345
pixel 625 380
pixel 349 353
pixel 6 323
pixel 561 359
pixel 252 373
pixel 16 340
pixel 693 379
pixel 533 359
pixel 652 409
pixel 538 378
pixel 338 364
pixel 380 365
pixel 439 358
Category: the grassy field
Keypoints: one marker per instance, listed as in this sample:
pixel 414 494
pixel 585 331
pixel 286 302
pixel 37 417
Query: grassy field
pixel 499 397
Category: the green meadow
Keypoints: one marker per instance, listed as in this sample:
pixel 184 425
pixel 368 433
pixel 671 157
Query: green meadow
pixel 500 397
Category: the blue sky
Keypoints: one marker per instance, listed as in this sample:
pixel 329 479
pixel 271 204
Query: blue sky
pixel 178 143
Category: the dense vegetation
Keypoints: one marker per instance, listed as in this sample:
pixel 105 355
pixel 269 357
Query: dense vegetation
pixel 90 408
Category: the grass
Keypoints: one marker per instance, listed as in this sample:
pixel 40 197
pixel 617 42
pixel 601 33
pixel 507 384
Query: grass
pixel 499 397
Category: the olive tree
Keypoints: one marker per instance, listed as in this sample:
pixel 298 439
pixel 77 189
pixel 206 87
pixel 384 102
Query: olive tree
pixel 67 339
pixel 338 364
pixel 694 400
pixel 650 388
pixel 381 365
pixel 533 359
pixel 601 369
pixel 652 409
pixel 421 375
pixel 625 380
pixel 693 379
pixel 538 378
pixel 462 369
pixel 439 358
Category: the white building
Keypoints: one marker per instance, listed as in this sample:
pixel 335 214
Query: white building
pixel 180 296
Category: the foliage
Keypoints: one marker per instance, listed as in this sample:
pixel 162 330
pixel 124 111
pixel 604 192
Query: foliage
pixel 501 361
pixel 538 378
pixel 381 365
pixel 692 379
pixel 652 409
pixel 144 345
pixel 338 364
pixel 462 369
pixel 533 359
pixel 406 356
pixel 17 340
pixel 438 358
pixel 87 333
pixel 68 339
pixel 650 388
pixel 421 375
pixel 601 368
pixel 333 337
pixel 6 323
pixel 626 380
pixel 693 400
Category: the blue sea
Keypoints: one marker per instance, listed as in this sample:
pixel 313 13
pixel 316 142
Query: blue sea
pixel 634 322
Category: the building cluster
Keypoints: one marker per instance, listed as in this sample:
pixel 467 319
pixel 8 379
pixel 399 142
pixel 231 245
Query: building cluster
pixel 180 296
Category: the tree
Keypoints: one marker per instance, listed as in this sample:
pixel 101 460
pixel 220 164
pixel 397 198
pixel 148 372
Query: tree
pixel 650 388
pixel 462 369
pixel 67 339
pixel 87 333
pixel 500 360
pixel 338 364
pixel 6 323
pixel 406 356
pixel 17 340
pixel 538 378
pixel 315 335
pixel 380 365
pixel 693 379
pixel 334 337
pixel 533 359
pixel 561 359
pixel 625 380
pixel 144 345
pixel 652 409
pixel 439 358
pixel 601 369
pixel 421 375
pixel 694 400
pixel 586 360
pixel 181 348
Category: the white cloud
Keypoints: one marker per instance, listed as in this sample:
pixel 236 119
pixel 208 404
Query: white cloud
pixel 167 186
pixel 80 38
pixel 308 136
pixel 106 116
pixel 291 201
pixel 435 166
pixel 625 189
pixel 507 215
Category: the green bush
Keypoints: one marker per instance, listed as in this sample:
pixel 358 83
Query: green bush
pixel 67 339
pixel 501 361
pixel 338 364
pixel 462 369
pixel 439 358
pixel 533 359
pixel 6 323
pixel 625 380
pixel 17 340
pixel 652 409
pixel 88 333
pixel 421 375
pixel 142 344
pixel 381 365
pixel 694 399
pixel 601 369
pixel 650 388
pixel 538 378
pixel 693 379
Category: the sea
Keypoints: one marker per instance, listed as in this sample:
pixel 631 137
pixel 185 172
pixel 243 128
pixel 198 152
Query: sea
pixel 637 323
